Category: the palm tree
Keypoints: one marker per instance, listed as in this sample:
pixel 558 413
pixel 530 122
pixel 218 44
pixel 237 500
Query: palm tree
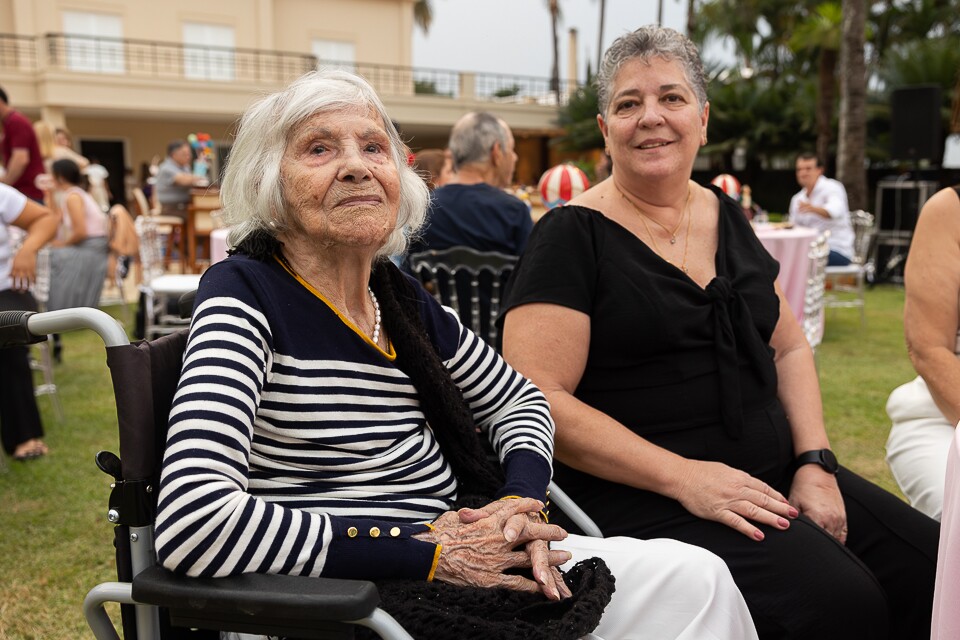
pixel 820 32
pixel 603 10
pixel 852 137
pixel 423 14
pixel 554 6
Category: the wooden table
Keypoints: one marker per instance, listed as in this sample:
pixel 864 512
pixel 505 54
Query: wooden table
pixel 200 221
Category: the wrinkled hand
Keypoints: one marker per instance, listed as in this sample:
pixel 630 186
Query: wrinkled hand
pixel 551 582
pixel 714 491
pixel 23 270
pixel 816 494
pixel 478 553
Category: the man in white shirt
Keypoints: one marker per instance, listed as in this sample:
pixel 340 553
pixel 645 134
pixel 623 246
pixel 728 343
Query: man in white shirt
pixel 821 204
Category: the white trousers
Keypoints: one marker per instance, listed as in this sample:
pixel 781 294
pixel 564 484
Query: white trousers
pixel 665 590
pixel 917 446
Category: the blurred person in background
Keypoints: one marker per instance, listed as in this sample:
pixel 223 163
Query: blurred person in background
pixel 175 179
pixel 19 151
pixel 78 259
pixel 20 428
pixel 434 166
pixel 821 204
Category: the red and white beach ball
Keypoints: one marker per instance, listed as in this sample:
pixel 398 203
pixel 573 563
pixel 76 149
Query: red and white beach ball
pixel 561 184
pixel 728 184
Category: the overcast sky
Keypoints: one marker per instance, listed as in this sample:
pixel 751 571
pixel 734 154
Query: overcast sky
pixel 514 36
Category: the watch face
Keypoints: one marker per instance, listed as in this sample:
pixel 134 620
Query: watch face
pixel 829 460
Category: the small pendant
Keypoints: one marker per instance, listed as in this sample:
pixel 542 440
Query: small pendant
pixel 673 240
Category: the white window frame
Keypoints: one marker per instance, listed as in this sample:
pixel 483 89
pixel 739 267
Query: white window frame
pixel 335 54
pixel 99 48
pixel 208 51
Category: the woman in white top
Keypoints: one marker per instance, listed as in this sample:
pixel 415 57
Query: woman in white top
pixel 20 427
pixel 925 411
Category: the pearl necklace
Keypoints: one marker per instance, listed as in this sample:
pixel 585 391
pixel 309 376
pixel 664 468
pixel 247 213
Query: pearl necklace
pixel 376 314
pixel 375 338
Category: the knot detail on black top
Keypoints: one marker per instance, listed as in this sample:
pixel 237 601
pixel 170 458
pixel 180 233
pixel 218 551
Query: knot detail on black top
pixel 734 333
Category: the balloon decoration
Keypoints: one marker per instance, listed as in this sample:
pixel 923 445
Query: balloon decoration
pixel 561 184
pixel 202 147
pixel 728 184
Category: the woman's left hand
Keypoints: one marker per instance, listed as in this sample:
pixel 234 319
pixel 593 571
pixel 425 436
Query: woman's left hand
pixel 816 494
pixel 547 576
pixel 23 270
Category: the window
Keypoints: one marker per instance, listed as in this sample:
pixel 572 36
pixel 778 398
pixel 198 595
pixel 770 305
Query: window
pixel 335 53
pixel 93 42
pixel 208 51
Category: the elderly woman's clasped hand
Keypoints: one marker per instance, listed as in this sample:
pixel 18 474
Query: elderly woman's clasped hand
pixel 479 547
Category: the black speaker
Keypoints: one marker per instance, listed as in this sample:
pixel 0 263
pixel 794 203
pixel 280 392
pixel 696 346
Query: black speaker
pixel 915 118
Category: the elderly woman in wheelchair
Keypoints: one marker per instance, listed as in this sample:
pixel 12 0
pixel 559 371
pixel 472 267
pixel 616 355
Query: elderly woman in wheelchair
pixel 328 412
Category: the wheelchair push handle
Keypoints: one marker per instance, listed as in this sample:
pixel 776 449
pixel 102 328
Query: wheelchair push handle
pixel 14 331
pixel 27 327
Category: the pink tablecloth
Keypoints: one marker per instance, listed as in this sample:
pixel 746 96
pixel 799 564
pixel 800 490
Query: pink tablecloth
pixel 791 248
pixel 946 613
pixel 218 245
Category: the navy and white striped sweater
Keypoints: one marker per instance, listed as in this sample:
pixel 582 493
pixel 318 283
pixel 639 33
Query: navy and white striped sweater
pixel 297 447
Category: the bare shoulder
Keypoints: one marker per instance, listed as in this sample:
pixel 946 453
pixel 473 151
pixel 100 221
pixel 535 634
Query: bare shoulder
pixel 940 214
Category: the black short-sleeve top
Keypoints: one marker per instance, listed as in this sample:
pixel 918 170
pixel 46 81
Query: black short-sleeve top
pixel 665 354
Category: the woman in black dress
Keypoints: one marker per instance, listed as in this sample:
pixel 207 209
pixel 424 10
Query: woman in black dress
pixel 685 395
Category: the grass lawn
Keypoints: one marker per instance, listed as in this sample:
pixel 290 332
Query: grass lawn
pixel 55 541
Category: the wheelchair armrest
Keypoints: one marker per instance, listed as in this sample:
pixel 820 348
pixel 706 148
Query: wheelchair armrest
pixel 251 595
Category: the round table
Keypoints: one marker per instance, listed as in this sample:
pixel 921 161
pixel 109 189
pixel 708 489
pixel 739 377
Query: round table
pixel 791 248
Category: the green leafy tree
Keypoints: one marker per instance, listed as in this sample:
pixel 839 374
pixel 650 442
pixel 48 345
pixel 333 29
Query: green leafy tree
pixel 423 15
pixel 507 92
pixel 579 121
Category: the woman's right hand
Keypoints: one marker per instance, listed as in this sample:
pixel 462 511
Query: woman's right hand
pixel 715 491
pixel 477 553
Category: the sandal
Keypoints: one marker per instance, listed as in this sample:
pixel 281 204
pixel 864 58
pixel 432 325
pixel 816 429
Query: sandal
pixel 31 450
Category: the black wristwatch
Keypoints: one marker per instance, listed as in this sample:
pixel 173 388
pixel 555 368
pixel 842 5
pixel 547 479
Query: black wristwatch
pixel 822 457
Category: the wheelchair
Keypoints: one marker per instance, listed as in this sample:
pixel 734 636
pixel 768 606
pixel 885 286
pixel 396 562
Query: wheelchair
pixel 156 603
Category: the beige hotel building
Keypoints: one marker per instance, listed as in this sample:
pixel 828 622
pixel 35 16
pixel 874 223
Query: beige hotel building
pixel 128 76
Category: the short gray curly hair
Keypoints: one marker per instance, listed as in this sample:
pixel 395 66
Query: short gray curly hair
pixel 252 193
pixel 651 41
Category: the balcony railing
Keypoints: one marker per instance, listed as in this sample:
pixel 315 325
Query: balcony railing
pixel 174 61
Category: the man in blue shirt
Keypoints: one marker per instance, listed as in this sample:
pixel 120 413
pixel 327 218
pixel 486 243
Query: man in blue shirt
pixel 473 210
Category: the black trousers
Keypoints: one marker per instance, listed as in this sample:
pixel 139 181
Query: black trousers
pixel 19 417
pixel 799 583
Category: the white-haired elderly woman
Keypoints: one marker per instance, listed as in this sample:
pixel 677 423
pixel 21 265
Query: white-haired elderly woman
pixel 684 393
pixel 326 420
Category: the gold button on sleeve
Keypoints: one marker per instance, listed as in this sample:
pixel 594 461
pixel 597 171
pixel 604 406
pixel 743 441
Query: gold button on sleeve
pixel 374 532
pixel 352 532
pixel 395 532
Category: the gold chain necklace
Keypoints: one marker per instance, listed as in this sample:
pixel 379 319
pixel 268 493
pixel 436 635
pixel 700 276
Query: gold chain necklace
pixel 656 247
pixel 645 216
